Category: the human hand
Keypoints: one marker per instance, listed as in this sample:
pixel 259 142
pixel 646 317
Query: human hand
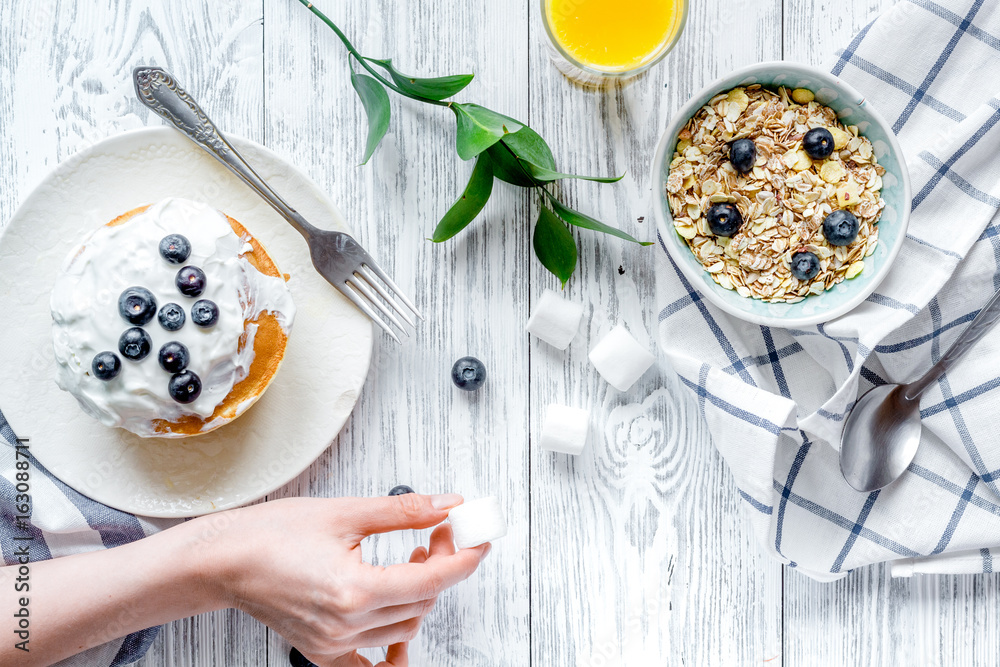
pixel 295 564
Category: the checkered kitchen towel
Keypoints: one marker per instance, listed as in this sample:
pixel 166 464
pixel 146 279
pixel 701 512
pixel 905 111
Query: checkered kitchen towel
pixel 775 399
pixel 63 522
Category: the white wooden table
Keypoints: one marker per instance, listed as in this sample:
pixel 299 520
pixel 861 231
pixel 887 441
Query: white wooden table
pixel 633 553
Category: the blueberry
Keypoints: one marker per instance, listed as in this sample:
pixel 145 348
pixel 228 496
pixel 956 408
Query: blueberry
pixel 184 387
pixel 172 317
pixel 840 228
pixel 805 265
pixel 743 153
pixel 296 659
pixel 400 490
pixel 724 219
pixel 135 344
pixel 191 281
pixel 468 373
pixel 818 143
pixel 204 313
pixel 106 366
pixel 137 305
pixel 174 357
pixel 175 248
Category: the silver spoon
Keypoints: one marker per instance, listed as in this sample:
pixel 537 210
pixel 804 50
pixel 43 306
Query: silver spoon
pixel 882 432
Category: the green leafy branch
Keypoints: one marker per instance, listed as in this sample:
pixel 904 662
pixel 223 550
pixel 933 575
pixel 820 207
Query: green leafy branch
pixel 503 148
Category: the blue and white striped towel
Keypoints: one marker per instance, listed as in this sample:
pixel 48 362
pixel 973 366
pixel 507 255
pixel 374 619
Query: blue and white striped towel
pixel 64 522
pixel 775 399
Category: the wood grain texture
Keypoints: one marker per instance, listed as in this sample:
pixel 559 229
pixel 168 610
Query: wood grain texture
pixel 412 426
pixel 638 555
pixel 632 553
pixel 65 83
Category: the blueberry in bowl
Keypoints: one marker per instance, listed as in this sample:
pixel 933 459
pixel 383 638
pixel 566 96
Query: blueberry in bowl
pixel 840 228
pixel 742 155
pixel 818 143
pixel 724 219
pixel 805 265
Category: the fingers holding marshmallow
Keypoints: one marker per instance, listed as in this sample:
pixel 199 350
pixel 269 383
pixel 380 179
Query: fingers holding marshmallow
pixel 477 521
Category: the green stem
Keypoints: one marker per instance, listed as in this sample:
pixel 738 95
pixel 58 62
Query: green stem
pixel 549 195
pixel 363 60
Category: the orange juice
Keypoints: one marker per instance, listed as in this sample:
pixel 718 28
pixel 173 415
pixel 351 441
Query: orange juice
pixel 614 35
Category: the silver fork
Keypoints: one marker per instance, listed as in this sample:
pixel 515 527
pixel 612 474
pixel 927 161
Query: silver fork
pixel 336 255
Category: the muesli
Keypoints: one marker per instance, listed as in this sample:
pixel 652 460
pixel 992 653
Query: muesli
pixel 776 198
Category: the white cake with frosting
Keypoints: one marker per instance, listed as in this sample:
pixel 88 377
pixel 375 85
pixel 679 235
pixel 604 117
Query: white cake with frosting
pixel 250 297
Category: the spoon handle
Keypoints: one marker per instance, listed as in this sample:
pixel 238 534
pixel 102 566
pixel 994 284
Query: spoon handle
pixel 984 321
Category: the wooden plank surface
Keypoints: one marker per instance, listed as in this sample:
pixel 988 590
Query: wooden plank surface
pixel 638 555
pixel 870 618
pixel 412 426
pixel 66 83
pixel 633 553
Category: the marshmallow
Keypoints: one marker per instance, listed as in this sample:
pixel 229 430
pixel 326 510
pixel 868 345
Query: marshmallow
pixel 477 521
pixel 565 429
pixel 555 320
pixel 620 359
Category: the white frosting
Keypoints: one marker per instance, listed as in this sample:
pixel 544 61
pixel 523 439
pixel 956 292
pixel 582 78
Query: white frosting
pixel 86 319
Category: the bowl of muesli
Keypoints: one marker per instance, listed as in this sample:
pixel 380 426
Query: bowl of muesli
pixel 781 195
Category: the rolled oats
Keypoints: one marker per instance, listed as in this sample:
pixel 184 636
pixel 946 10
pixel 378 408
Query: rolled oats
pixel 783 200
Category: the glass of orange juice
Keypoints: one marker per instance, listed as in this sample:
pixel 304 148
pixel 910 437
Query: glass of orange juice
pixel 597 41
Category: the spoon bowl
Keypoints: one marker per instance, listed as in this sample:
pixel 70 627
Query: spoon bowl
pixel 882 432
pixel 880 437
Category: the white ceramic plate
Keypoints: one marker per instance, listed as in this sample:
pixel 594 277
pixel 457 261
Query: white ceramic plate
pixel 309 400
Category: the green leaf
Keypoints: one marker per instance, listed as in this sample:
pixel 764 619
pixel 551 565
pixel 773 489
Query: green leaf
pixel 434 88
pixel 554 245
pixel 546 175
pixel 376 103
pixel 578 219
pixel 479 128
pixel 511 152
pixel 472 201
pixel 507 168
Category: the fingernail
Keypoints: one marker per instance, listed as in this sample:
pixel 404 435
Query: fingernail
pixel 444 501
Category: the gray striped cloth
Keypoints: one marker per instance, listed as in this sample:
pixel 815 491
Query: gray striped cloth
pixel 63 522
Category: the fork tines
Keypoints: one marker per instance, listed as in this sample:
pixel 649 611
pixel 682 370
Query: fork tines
pixel 365 291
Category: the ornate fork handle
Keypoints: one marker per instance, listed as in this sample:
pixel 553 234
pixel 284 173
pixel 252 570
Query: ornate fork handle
pixel 159 91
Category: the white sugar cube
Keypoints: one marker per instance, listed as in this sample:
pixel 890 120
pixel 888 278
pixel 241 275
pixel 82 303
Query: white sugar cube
pixel 555 320
pixel 620 359
pixel 477 521
pixel 565 429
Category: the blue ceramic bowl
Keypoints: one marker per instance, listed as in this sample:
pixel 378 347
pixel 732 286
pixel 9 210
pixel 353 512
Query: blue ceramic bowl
pixel 853 109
